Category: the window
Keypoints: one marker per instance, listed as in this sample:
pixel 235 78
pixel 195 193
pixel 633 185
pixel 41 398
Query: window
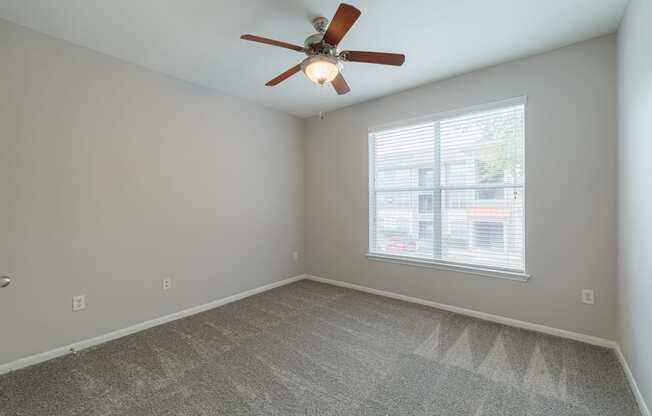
pixel 488 173
pixel 425 230
pixel 425 203
pixel 449 189
pixel 458 235
pixel 489 235
pixel 456 199
pixel 426 177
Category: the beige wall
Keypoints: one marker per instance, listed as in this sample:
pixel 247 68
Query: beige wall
pixel 635 192
pixel 570 198
pixel 113 177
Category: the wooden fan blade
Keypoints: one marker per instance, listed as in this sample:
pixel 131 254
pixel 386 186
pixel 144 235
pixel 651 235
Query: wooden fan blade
pixel 340 85
pixel 272 42
pixel 344 18
pixel 383 58
pixel 285 75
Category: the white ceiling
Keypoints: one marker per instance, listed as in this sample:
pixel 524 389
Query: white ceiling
pixel 198 40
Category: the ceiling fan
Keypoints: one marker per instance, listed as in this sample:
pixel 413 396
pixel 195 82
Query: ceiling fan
pixel 324 61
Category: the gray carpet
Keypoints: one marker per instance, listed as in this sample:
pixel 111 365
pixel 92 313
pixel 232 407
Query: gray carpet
pixel 315 349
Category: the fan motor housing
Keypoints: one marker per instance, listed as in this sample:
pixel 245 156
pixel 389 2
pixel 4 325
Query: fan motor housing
pixel 314 44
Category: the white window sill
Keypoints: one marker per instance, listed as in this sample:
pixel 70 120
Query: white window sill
pixel 433 264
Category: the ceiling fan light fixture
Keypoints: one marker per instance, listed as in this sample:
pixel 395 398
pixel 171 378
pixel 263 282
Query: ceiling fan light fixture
pixel 321 68
pixel 324 58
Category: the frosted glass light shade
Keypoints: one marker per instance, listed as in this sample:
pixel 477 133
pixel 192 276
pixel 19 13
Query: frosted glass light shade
pixel 320 68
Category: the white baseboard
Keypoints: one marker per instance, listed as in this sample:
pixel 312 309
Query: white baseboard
pixel 57 352
pixel 645 411
pixel 602 342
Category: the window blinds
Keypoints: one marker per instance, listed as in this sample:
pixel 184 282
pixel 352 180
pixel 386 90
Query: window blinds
pixel 451 189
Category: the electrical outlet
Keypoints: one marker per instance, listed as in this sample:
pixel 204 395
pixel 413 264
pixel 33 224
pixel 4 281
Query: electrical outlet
pixel 295 255
pixel 167 284
pixel 78 303
pixel 588 296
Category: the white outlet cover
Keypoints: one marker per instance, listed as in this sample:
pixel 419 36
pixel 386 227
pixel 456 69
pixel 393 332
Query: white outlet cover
pixel 78 303
pixel 167 284
pixel 588 296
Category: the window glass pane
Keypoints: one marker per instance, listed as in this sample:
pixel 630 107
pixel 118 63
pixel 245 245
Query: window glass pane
pixel 456 199
pixel 488 174
pixel 484 232
pixel 456 234
pixel 483 148
pixel 456 174
pixel 489 235
pixel 425 203
pixel 403 156
pixel 427 177
pixel 426 235
pixel 491 193
pixel 401 228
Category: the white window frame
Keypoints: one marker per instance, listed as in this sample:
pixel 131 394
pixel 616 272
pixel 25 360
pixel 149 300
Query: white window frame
pixel 506 273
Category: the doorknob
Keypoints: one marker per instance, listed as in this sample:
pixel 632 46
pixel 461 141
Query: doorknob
pixel 4 281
